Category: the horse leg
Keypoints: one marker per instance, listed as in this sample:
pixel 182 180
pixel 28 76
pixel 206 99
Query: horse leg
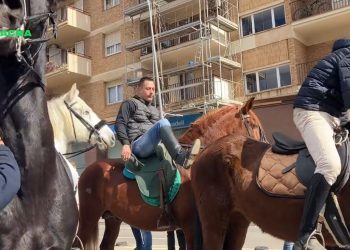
pixel 88 221
pixel 112 227
pixel 236 232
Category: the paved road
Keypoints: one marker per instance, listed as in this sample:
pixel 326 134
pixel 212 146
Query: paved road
pixel 254 238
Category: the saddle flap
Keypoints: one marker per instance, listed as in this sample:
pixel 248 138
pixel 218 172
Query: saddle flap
pixel 147 177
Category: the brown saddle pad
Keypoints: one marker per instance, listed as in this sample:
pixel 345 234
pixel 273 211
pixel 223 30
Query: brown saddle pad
pixel 271 179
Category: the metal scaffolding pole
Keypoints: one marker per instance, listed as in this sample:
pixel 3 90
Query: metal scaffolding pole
pixel 155 62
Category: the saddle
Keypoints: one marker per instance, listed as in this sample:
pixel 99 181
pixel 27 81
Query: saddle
pixel 286 170
pixel 158 180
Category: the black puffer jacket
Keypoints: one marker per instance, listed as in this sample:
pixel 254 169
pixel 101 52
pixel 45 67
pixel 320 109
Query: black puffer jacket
pixel 327 86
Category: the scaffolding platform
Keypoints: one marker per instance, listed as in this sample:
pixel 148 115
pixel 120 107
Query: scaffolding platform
pixel 161 36
pixel 224 23
pixel 137 9
pixel 225 62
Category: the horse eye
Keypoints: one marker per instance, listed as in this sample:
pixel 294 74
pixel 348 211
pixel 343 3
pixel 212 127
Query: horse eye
pixel 86 112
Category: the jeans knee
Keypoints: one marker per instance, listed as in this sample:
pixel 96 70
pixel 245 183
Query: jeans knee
pixel 164 123
pixel 331 173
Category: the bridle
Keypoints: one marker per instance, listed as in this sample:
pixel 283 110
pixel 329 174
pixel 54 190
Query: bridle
pixel 27 58
pixel 245 120
pixel 24 54
pixel 94 130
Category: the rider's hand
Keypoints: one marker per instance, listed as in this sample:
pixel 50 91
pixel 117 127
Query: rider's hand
pixel 1 141
pixel 126 152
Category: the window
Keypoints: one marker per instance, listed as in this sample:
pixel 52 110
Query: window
pixel 247 27
pixel 110 3
pixel 267 79
pixel 263 20
pixel 279 16
pixel 112 44
pixel 114 94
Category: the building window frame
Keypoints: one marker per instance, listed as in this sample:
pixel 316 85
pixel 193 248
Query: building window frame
pixel 112 44
pixel 119 96
pixel 257 80
pixel 110 5
pixel 252 20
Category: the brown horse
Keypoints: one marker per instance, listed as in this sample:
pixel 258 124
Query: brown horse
pixel 228 198
pixel 104 191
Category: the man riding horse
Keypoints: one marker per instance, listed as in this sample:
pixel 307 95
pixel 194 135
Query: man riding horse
pixel 140 129
pixel 322 99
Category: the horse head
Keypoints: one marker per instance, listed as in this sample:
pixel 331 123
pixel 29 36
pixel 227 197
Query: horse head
pixel 235 119
pixel 81 122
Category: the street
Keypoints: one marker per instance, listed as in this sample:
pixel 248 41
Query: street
pixel 254 238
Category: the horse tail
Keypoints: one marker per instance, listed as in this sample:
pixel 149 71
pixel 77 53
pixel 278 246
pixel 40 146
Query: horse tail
pixel 198 238
pixel 90 205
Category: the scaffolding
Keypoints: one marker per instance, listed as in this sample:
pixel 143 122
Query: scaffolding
pixel 196 51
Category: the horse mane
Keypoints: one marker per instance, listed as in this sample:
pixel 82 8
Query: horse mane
pixel 56 114
pixel 198 128
pixel 219 123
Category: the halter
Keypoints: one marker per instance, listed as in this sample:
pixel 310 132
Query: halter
pixel 24 55
pixel 245 120
pixel 92 129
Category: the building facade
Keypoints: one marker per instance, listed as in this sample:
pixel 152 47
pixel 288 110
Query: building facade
pixel 209 53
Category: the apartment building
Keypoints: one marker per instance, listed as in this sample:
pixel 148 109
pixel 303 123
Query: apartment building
pixel 209 53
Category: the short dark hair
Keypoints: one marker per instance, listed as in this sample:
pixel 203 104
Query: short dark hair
pixel 143 79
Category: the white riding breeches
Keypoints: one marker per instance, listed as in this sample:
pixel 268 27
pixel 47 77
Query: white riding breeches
pixel 317 130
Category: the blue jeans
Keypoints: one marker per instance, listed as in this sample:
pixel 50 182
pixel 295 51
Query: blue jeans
pixel 288 245
pixel 143 239
pixel 146 144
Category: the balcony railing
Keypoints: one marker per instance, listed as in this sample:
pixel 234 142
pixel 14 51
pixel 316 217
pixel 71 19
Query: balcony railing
pixel 62 13
pixel 306 8
pixel 173 42
pixel 303 70
pixel 193 90
pixel 60 61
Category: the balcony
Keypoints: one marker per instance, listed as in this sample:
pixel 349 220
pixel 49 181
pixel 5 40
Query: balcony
pixel 73 25
pixel 196 91
pixel 67 68
pixel 140 6
pixel 303 70
pixel 185 46
pixel 321 20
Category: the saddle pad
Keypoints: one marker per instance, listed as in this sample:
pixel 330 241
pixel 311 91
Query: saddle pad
pixel 272 180
pixel 148 179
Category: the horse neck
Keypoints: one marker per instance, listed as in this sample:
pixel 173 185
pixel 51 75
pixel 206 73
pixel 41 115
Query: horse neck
pixel 61 124
pixel 29 134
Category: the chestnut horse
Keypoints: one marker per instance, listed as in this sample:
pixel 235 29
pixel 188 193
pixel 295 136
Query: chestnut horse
pixel 104 191
pixel 228 198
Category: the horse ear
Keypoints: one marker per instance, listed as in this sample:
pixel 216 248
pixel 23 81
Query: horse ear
pixel 248 105
pixel 73 93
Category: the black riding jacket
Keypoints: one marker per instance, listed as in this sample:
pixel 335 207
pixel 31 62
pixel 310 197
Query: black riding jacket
pixel 327 86
pixel 134 118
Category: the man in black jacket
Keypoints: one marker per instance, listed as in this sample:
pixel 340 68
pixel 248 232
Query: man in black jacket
pixel 140 129
pixel 10 177
pixel 323 99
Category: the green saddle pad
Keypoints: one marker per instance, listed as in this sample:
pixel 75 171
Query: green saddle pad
pixel 147 176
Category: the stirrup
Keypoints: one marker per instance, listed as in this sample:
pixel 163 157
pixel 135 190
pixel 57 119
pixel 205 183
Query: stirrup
pixel 194 151
pixel 313 235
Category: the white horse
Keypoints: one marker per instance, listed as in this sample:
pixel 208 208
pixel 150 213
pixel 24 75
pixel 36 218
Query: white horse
pixel 74 121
